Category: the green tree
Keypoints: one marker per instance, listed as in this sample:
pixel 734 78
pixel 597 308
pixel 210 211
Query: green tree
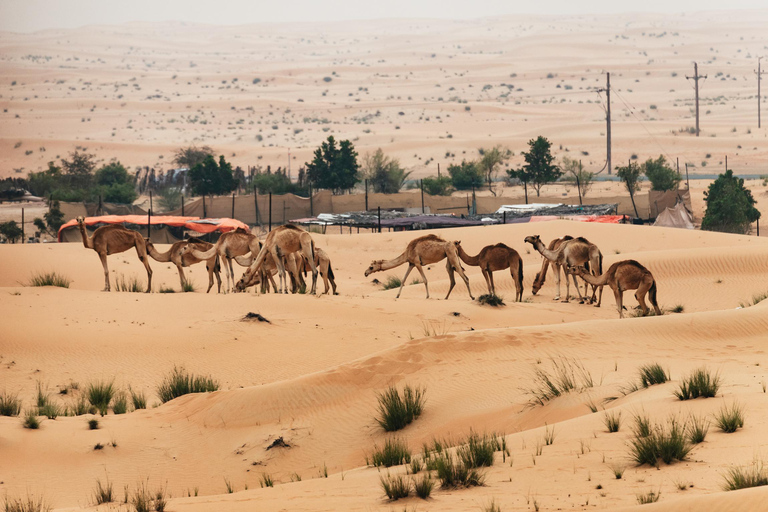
pixel 384 173
pixel 465 175
pixel 79 171
pixel 539 168
pixel 730 206
pixel 11 231
pixel 661 175
pixel 334 168
pixel 437 186
pixel 490 162
pixel 40 225
pixel 45 183
pixel 208 178
pixel 54 218
pixel 574 173
pixel 115 184
pixel 191 156
pixel 630 175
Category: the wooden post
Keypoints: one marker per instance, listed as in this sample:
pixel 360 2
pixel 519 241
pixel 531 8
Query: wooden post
pixel 233 205
pixel 366 195
pixel 182 204
pixel 23 235
pixel 256 205
pixel 150 200
pixel 578 183
pixel 270 210
pixel 421 184
pixel 149 221
pixel 687 183
pixel 311 202
pixel 205 214
pixel 438 170
pixel 505 216
pixel 379 214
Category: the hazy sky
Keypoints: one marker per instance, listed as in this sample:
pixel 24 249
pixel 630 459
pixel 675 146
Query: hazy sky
pixel 30 15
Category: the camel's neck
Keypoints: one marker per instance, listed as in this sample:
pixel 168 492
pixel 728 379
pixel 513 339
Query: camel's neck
pixel 595 280
pixel 162 257
pixel 550 255
pixel 543 274
pixel 469 260
pixel 87 240
pixel 204 255
pixel 386 265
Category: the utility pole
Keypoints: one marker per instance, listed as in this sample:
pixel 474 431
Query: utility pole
pixel 289 164
pixel 758 72
pixel 696 76
pixel 607 91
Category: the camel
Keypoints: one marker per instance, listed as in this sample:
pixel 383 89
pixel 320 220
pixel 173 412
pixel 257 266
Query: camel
pixel 280 242
pixel 541 276
pixel 323 264
pixel 114 239
pixel 571 253
pixel 492 258
pixel 621 276
pixel 174 256
pixel 293 262
pixel 424 250
pixel 229 245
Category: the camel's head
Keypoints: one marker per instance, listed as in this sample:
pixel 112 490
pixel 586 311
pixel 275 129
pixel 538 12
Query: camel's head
pixel 250 278
pixel 579 270
pixel 533 240
pixel 374 267
pixel 537 284
pixel 185 249
pixel 80 219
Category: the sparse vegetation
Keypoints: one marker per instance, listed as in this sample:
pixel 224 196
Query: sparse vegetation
pixel 730 419
pixel 392 282
pixel 266 480
pixel 50 279
pixel 395 487
pixel 453 473
pixel 120 403
pixel 566 375
pixel 745 477
pixel 104 493
pixel 131 284
pixel 139 399
pixel 10 405
pixel 394 452
pixel 396 411
pixel 667 443
pixel 180 383
pixel 697 429
pixel 700 383
pixel 100 395
pixel 489 299
pixel 648 497
pixel 612 421
pixel 423 487
pixel 651 374
pixel 478 450
pixel 617 469
pixel 28 504
pixel 30 420
pixel 93 424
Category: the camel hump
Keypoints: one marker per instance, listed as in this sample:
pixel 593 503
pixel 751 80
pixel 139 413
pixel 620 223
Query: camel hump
pixel 194 240
pixel 634 263
pixel 292 227
pixel 566 238
pixel 582 240
pixel 428 238
pixel 502 246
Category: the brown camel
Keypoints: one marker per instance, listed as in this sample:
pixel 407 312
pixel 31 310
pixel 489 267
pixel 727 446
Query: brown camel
pixel 174 256
pixel 492 258
pixel 323 264
pixel 293 262
pixel 424 250
pixel 229 245
pixel 280 242
pixel 570 254
pixel 621 276
pixel 113 239
pixel 541 276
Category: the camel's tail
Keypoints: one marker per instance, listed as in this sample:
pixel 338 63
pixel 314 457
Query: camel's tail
pixel 217 264
pixel 520 269
pixel 600 263
pixel 330 271
pixel 652 295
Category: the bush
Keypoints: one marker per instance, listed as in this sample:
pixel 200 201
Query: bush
pixel 730 206
pixel 120 404
pixel 490 299
pixel 50 279
pixel 104 492
pixel 661 175
pixel 743 478
pixel 30 420
pixel 466 175
pixel 666 443
pixel 567 375
pixel 612 421
pixel 11 231
pixel 395 487
pixel 423 487
pixel 394 453
pixel 93 424
pixel 697 430
pixel 396 411
pixel 730 419
pixel 454 473
pixel 651 374
pixel 701 383
pixel 392 282
pixel 100 395
pixel 10 405
pixel 478 451
pixel 180 383
pixel 139 399
pixel 30 504
pixel 437 186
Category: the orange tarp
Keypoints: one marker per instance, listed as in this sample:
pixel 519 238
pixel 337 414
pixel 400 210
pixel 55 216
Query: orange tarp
pixel 191 223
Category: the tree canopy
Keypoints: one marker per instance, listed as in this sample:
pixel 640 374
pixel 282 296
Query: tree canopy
pixel 190 156
pixel 435 186
pixel 661 175
pixel 334 167
pixel 730 206
pixel 577 175
pixel 630 175
pixel 384 173
pixel 490 163
pixel 539 168
pixel 209 178
pixel 465 175
pixel 11 231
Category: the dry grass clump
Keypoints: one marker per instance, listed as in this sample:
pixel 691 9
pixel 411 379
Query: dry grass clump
pixel 455 473
pixel 395 487
pixel 104 493
pixel 50 279
pixel 180 383
pixel 10 405
pixel 394 452
pixel 743 478
pixel 566 375
pixel 396 411
pixel 28 504
pixel 648 497
pixel 612 421
pixel 423 488
pixel 490 299
pixel 730 419
pixel 131 284
pixel 651 374
pixel 478 450
pixel 100 395
pixel 653 443
pixel 138 398
pixel 392 282
pixel 30 420
pixel 697 429
pixel 700 383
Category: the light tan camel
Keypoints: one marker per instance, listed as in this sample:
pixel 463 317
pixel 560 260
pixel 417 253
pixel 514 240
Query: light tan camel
pixel 229 245
pixel 323 264
pixel 293 263
pixel 541 276
pixel 174 256
pixel 492 258
pixel 424 250
pixel 115 239
pixel 621 276
pixel 280 242
pixel 571 253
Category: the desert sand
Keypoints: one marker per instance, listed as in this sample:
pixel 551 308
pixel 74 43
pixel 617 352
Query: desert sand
pixel 312 375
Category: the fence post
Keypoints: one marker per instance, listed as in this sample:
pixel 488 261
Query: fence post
pixel 256 204
pixel 23 235
pixel 233 205
pixel 149 221
pixel 205 213
pixel 311 202
pixel 366 195
pixel 421 184
pixel 270 210
pixel 505 216
pixel 182 204
pixel 379 214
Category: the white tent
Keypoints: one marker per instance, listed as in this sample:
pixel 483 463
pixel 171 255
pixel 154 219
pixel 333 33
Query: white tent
pixel 677 217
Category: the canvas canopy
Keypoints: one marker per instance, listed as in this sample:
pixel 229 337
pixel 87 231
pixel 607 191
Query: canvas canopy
pixel 160 226
pixel 677 217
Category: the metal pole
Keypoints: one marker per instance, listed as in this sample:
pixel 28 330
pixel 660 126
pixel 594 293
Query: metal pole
pixel 505 216
pixel 379 214
pixel 256 205
pixel 421 184
pixel 366 195
pixel 270 210
pixel 149 221
pixel 311 202
pixel 233 205
pixel 438 170
pixel 205 214
pixel 608 120
pixel 150 200
pixel 23 236
pixel 578 183
pixel 182 204
pixel 687 183
pixel 726 162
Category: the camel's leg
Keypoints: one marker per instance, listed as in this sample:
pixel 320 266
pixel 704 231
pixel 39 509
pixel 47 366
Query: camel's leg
pixel 209 268
pixel 582 298
pixel 402 283
pixel 324 265
pixel 457 265
pixel 142 251
pixel 282 279
pixel 103 258
pixel 619 301
pixel 309 254
pixel 518 283
pixel 556 270
pixel 640 296
pixel 181 276
pixel 488 282
pixel 489 279
pixel 449 269
pixel 600 298
pixel 421 271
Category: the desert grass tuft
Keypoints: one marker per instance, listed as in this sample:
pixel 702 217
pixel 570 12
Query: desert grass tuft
pixel 490 299
pixel 180 383
pixel 743 478
pixel 100 395
pixel 120 403
pixel 28 504
pixel 648 497
pixel 30 420
pixel 189 286
pixel 161 501
pixel 138 398
pixel 612 421
pixel 416 465
pixel 667 443
pixel 131 284
pixel 396 411
pixel 394 452
pixel 730 419
pixel 50 279
pixel 166 289
pixel 266 480
pixel 104 493
pixel 81 406
pixel 697 429
pixel 10 405
pixel 700 383
pixel 478 450
pixel 395 487
pixel 50 410
pixel 228 485
pixel 93 424
pixel 454 473
pixel 651 374
pixel 392 282
pixel 617 469
pixel 423 487
pixel 142 498
pixel 492 507
pixel 567 374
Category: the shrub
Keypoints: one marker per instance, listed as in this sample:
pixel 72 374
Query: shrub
pixel 10 405
pixel 466 175
pixel 423 487
pixel 395 487
pixel 180 383
pixel 612 421
pixel 649 497
pixel 661 175
pixel 49 410
pixel 478 451
pixel 93 424
pixel 618 470
pixel 415 465
pixel 666 443
pixel 50 279
pixel 651 374
pixel 120 403
pixel 490 300
pixel 30 504
pixel 642 426
pixel 743 478
pixel 100 395
pixel 567 375
pixel 730 205
pixel 189 286
pixel 31 421
pixel 701 383
pixel 104 492
pixel 392 282
pixel 396 411
pixel 730 419
pixel 437 186
pixel 394 453
pixel 697 429
pixel 131 284
pixel 454 473
pixel 139 399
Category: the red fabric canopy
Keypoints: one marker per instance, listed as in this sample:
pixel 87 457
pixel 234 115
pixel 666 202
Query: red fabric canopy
pixel 191 223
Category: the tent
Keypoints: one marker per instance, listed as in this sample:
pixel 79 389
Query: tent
pixel 677 217
pixel 164 229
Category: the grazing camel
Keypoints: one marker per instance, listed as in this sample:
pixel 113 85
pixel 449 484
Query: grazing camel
pixel 265 275
pixel 424 250
pixel 492 258
pixel 229 245
pixel 570 254
pixel 541 276
pixel 323 264
pixel 174 256
pixel 114 239
pixel 621 276
pixel 280 242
